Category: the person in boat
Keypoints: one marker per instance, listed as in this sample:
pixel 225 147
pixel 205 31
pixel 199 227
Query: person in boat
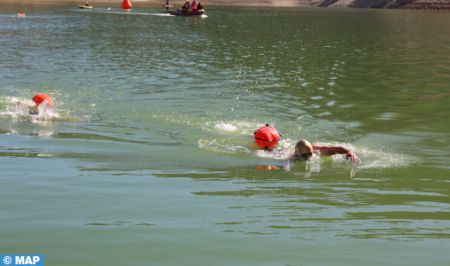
pixel 200 8
pixel 167 5
pixel 187 6
pixel 304 150
pixel 194 6
pixel 86 4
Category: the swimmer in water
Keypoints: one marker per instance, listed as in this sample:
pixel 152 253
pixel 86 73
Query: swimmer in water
pixel 304 150
pixel 42 101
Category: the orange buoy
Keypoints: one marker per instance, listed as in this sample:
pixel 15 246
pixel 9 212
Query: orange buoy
pixel 42 97
pixel 267 137
pixel 126 4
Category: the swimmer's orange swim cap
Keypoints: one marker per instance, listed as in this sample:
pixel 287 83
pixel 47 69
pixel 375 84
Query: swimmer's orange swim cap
pixel 41 97
pixel 267 137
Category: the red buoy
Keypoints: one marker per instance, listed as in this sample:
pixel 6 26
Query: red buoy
pixel 42 97
pixel 267 137
pixel 126 4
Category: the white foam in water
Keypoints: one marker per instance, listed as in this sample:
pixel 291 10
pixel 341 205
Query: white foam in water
pixel 19 108
pixel 162 14
pixel 222 126
pixel 45 114
pixel 15 107
pixel 283 151
pixel 370 159
pixel 220 146
pixel 239 127
pixel 235 127
pixel 381 159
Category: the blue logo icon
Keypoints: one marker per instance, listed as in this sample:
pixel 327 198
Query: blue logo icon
pixel 21 259
pixel 7 260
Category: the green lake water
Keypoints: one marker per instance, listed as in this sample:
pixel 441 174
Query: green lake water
pixel 149 159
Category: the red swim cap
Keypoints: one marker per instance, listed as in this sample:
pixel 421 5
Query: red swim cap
pixel 41 97
pixel 267 137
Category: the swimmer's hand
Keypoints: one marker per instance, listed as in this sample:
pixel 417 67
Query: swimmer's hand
pixel 352 157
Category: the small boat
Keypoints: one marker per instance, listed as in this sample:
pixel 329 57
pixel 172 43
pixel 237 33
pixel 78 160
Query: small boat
pixel 86 6
pixel 180 12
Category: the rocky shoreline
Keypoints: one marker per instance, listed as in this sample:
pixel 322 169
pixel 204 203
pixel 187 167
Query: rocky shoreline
pixel 395 4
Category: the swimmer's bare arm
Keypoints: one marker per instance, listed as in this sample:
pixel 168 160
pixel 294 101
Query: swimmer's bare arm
pixel 332 150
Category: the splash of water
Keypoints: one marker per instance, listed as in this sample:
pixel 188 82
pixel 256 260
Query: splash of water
pixel 225 127
pixel 17 108
pixel 283 151
pixel 371 159
pixel 383 159
pixel 221 146
pixel 236 127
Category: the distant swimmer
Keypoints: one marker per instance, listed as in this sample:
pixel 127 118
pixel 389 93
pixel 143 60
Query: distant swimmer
pixel 42 101
pixel 41 107
pixel 304 150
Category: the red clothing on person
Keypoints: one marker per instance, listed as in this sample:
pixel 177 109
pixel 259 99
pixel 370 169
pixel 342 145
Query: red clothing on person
pixel 194 6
